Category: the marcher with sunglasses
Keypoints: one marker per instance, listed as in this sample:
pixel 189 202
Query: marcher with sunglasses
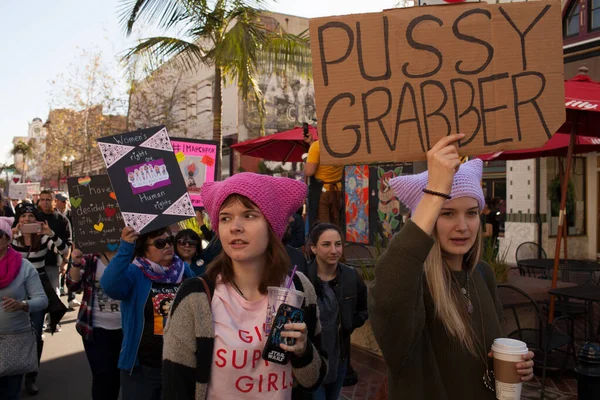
pixel 146 288
pixel 189 248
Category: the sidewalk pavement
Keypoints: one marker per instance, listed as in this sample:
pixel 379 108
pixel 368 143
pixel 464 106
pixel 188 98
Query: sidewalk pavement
pixel 64 372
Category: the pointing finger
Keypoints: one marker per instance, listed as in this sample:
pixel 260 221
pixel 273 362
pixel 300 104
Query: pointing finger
pixel 447 140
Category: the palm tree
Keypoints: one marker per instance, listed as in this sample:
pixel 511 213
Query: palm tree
pixel 4 168
pixel 226 35
pixel 26 152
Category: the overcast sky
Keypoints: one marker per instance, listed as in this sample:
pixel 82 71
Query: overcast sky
pixel 40 38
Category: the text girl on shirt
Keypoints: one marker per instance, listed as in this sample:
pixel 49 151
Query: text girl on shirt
pixel 216 334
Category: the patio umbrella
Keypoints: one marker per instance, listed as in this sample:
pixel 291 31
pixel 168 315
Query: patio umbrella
pixel 579 134
pixel 287 146
pixel 582 100
pixel 582 97
pixel 557 146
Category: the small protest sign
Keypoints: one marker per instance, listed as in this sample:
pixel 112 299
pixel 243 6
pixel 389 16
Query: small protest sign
pixel 389 85
pixel 20 191
pixel 198 163
pixel 146 178
pixel 97 221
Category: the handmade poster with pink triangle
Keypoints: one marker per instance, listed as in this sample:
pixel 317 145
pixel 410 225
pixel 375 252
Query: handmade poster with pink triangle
pixel 183 206
pixel 113 152
pixel 138 220
pixel 160 141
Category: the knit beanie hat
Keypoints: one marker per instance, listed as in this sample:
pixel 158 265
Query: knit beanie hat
pixel 277 198
pixel 6 225
pixel 24 208
pixel 467 183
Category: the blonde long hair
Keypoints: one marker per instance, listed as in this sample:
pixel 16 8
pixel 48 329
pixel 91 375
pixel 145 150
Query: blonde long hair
pixel 449 302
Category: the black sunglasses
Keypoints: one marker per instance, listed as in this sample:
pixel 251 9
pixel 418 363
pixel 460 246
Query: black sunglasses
pixel 187 242
pixel 162 243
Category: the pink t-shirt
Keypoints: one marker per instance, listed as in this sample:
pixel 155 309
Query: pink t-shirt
pixel 238 370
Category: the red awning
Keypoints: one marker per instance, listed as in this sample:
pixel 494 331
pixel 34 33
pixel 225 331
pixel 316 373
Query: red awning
pixel 582 101
pixel 555 147
pixel 582 93
pixel 283 146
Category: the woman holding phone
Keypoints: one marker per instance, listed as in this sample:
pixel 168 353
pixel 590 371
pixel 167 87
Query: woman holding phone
pixel 33 239
pixel 216 330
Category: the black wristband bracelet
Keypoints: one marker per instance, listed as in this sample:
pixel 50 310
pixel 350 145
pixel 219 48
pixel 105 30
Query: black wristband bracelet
pixel 434 193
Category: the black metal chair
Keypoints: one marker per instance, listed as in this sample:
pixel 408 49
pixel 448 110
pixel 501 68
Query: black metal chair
pixel 357 251
pixel 574 308
pixel 528 251
pixel 360 257
pixel 541 338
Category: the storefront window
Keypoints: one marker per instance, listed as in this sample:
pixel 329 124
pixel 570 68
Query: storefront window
pixel 571 22
pixel 494 189
pixel 594 14
pixel 575 210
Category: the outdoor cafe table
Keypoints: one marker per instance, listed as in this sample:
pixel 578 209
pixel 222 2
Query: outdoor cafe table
pixel 536 288
pixel 589 294
pixel 546 265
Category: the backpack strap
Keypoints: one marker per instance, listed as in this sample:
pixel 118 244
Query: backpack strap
pixel 207 289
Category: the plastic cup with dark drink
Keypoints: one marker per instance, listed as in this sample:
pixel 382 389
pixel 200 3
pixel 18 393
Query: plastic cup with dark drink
pixel 507 354
pixel 276 297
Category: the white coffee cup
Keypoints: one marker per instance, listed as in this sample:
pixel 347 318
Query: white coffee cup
pixel 507 353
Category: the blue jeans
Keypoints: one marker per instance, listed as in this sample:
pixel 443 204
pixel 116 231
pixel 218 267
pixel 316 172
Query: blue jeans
pixel 144 383
pixel 10 387
pixel 331 391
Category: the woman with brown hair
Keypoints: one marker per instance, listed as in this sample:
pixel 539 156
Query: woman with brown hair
pixel 433 306
pixel 216 330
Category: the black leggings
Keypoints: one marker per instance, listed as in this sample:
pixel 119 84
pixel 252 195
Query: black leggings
pixel 103 355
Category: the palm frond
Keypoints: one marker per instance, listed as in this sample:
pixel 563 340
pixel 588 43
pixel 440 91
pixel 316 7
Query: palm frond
pixel 181 53
pixel 164 13
pixel 286 52
pixel 237 56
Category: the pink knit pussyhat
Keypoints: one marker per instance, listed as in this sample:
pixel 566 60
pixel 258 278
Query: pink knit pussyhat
pixel 276 198
pixel 6 225
pixel 467 183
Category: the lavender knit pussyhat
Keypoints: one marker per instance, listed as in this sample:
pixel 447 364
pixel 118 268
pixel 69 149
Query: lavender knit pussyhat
pixel 277 198
pixel 467 183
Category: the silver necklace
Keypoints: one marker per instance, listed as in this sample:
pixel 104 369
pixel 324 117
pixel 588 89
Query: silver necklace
pixel 466 292
pixel 489 380
pixel 488 374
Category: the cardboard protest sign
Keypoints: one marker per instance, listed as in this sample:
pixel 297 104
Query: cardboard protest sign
pixel 22 191
pixel 146 178
pixel 389 85
pixel 97 221
pixel 198 163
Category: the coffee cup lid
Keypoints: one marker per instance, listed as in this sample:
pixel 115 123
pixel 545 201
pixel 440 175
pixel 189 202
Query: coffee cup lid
pixel 509 346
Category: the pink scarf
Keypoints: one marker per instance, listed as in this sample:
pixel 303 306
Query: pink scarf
pixel 10 265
